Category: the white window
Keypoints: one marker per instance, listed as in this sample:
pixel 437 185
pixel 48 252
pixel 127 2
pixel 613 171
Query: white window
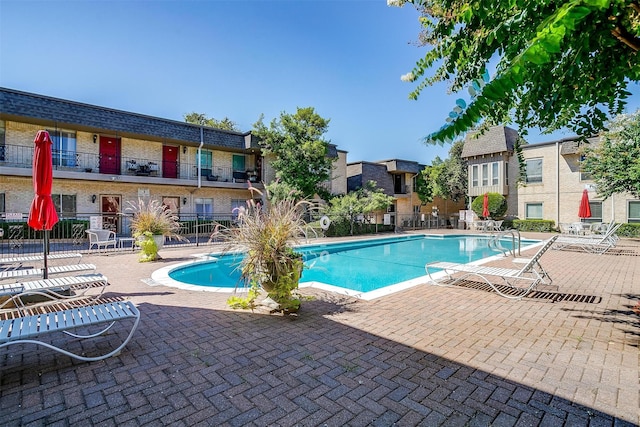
pixel 533 210
pixel 204 208
pixel 474 176
pixel 534 170
pixel 494 173
pixel 506 174
pixel 65 204
pixel 596 212
pixel 485 175
pixel 63 150
pixel 633 211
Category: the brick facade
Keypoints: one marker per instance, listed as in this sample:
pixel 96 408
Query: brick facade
pixel 561 188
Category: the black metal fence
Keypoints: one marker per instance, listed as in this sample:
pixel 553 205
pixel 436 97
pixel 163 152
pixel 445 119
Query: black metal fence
pixel 69 233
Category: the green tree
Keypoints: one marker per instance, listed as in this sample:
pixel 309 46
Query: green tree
pixel 559 63
pixel 497 205
pixel 446 179
pixel 454 176
pixel 614 164
pixel 203 120
pixel 358 203
pixel 299 151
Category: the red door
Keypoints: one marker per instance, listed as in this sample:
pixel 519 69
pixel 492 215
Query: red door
pixel 169 161
pixel 109 155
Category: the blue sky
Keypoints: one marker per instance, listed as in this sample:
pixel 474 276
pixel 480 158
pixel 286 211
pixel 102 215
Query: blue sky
pixel 238 59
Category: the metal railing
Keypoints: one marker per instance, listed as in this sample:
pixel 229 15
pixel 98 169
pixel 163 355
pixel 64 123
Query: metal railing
pixel 69 233
pixel 494 243
pixel 21 156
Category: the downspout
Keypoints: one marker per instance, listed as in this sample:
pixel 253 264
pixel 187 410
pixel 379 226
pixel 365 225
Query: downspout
pixel 557 183
pixel 200 157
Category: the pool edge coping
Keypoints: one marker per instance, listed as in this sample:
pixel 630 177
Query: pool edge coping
pixel 161 277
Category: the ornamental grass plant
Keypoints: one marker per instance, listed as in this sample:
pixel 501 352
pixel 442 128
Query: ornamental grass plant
pixel 266 235
pixel 152 218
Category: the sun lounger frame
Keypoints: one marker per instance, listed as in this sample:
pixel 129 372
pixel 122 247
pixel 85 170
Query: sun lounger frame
pixel 528 274
pixel 29 329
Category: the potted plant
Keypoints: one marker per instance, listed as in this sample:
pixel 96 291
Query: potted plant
pixel 152 223
pixel 266 235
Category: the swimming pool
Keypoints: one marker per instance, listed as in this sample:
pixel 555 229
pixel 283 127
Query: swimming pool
pixel 364 268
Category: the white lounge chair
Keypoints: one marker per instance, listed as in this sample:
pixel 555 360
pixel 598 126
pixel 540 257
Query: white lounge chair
pixel 19 261
pixel 57 269
pixel 56 290
pixel 531 274
pixel 32 329
pixel 598 244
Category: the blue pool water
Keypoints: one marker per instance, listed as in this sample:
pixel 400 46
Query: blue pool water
pixel 361 266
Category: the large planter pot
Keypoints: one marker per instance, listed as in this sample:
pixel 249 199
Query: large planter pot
pixel 159 239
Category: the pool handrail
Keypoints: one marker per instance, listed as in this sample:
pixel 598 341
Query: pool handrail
pixel 515 237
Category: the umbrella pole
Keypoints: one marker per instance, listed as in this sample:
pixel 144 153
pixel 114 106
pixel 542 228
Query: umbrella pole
pixel 45 244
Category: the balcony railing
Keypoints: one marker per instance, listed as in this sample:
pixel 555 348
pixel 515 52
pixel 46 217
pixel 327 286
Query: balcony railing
pixel 21 156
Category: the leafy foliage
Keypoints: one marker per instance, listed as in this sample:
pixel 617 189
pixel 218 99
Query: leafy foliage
pixel 358 203
pixel 446 179
pixel 559 63
pixel 614 164
pixel 538 225
pixel 497 205
pixel 299 151
pixel 202 119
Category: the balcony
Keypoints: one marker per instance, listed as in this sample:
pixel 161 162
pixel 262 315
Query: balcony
pixel 81 164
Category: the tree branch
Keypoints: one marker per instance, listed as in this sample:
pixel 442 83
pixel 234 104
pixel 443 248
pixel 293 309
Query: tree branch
pixel 618 33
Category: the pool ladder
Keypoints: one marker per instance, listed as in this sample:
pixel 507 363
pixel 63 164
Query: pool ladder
pixel 494 243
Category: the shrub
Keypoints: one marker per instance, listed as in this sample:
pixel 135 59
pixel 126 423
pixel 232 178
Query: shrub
pixel 542 225
pixel 629 230
pixel 497 205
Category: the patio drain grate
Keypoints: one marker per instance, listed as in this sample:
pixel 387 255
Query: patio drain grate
pixel 546 295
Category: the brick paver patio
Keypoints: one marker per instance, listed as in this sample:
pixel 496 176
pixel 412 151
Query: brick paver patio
pixel 429 356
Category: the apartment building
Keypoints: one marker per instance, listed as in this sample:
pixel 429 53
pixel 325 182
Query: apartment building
pixel 554 181
pixel 105 158
pixel 397 178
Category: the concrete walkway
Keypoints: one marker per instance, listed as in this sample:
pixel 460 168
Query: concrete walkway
pixel 454 356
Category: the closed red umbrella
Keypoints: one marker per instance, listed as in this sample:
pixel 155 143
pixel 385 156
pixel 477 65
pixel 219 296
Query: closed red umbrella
pixel 42 215
pixel 485 206
pixel 585 209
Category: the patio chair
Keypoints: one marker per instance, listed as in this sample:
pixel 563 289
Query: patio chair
pixel 101 239
pixel 57 269
pixel 51 291
pixel 529 274
pixel 19 261
pixel 33 328
pixel 597 244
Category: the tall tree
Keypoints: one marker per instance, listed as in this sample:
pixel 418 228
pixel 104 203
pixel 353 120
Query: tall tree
pixel 202 119
pixel 614 164
pixel 357 203
pixel 559 63
pixel 300 153
pixel 445 178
